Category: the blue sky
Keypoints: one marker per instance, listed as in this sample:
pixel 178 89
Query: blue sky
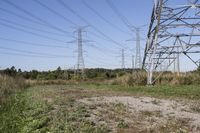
pixel 107 54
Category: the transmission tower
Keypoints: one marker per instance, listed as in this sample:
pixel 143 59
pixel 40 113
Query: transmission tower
pixel 123 60
pixel 177 63
pixel 138 59
pixel 80 60
pixel 133 62
pixel 174 29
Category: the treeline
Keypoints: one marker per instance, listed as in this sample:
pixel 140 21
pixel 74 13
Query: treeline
pixel 93 73
pixel 117 76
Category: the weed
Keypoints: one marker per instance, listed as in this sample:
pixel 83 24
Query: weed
pixel 118 108
pixel 122 124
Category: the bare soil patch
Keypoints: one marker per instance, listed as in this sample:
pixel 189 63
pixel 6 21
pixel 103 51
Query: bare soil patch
pixel 143 114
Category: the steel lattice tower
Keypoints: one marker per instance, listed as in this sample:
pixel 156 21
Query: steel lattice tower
pixel 133 62
pixel 174 30
pixel 80 60
pixel 123 60
pixel 138 59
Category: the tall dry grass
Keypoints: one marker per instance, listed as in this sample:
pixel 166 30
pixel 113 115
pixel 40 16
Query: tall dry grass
pixel 135 79
pixel 9 85
pixel 140 79
pixel 182 79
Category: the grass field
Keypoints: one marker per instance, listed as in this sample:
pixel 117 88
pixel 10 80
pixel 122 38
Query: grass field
pixel 184 91
pixel 90 108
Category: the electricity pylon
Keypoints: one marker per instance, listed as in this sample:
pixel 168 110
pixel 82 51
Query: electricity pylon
pixel 80 60
pixel 133 62
pixel 138 58
pixel 174 29
pixel 80 65
pixel 177 63
pixel 123 60
pixel 137 40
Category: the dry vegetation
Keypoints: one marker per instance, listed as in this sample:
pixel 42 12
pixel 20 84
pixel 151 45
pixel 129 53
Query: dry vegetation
pixel 140 79
pixel 9 85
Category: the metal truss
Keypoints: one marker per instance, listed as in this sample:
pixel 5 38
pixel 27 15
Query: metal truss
pixel 174 30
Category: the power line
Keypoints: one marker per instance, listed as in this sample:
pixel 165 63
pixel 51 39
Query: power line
pixel 98 62
pixel 103 18
pixel 102 49
pixel 26 55
pixel 132 29
pixel 34 53
pixel 43 5
pixel 30 32
pixel 31 43
pixel 23 10
pixel 58 14
pixel 102 53
pixel 98 36
pixel 36 22
pixel 30 20
pixel 55 12
pixel 119 14
pixel 35 17
pixel 83 19
pixel 93 62
pixel 105 51
pixel 32 28
pixel 20 16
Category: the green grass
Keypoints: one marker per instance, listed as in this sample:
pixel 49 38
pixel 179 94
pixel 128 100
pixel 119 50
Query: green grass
pixel 184 91
pixel 32 110
pixel 24 113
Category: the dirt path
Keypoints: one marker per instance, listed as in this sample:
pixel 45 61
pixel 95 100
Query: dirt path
pixel 153 114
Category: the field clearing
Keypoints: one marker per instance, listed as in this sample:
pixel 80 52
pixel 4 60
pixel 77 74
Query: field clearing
pixel 102 108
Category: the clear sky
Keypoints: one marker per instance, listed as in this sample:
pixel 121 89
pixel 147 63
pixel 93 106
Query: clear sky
pixel 48 38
